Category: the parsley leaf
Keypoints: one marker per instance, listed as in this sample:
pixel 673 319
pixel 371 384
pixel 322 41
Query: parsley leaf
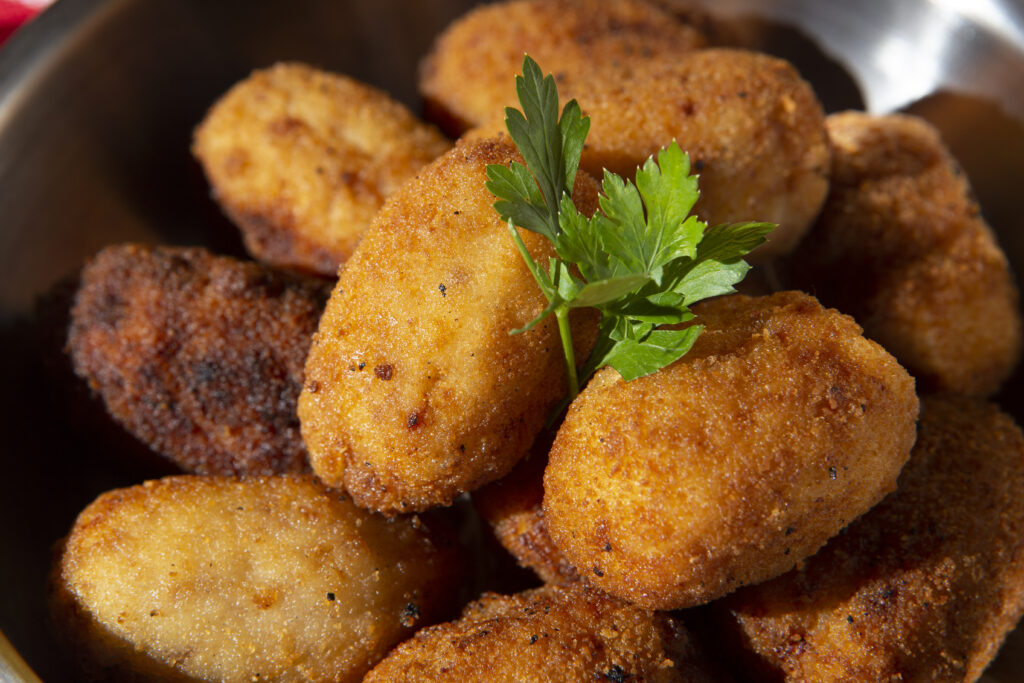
pixel 551 147
pixel 643 258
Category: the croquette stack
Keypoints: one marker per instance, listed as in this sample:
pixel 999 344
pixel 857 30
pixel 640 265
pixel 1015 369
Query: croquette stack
pixel 810 494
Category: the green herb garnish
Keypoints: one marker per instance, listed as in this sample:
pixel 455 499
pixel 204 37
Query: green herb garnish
pixel 643 259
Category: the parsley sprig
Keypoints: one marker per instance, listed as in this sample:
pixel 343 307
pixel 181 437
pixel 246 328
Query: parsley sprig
pixel 642 260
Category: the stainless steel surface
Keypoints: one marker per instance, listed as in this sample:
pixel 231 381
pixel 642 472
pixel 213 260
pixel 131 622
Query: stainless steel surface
pixel 98 99
pixel 13 668
pixel 900 51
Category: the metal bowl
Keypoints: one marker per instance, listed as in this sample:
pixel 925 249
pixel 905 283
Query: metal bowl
pixel 98 99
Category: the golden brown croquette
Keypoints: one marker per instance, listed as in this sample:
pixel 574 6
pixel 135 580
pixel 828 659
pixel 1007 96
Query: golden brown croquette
pixel 925 586
pixel 301 160
pixel 265 578
pixel 726 468
pixel 199 356
pixel 901 246
pixel 512 508
pixel 467 79
pixel 548 634
pixel 415 388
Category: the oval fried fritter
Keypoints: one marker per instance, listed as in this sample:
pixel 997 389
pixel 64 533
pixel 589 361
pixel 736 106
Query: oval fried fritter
pixel 221 579
pixel 199 356
pixel 753 128
pixel 415 389
pixel 922 588
pixel 302 159
pixel 467 79
pixel 548 634
pixel 901 246
pixel 778 428
pixel 512 508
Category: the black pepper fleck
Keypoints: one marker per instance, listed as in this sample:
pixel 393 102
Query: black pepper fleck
pixel 849 618
pixel 410 613
pixel 533 639
pixel 698 165
pixel 607 547
pixel 617 674
pixel 442 289
pixel 597 570
pixel 831 472
pixel 330 596
pixel 789 530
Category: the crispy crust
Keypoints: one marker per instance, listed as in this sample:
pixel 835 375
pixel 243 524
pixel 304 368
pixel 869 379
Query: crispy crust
pixel 778 428
pixel 302 159
pixel 197 355
pixel 924 587
pixel 512 506
pixel 467 79
pixel 550 633
pixel 415 390
pixel 753 128
pixel 215 578
pixel 902 247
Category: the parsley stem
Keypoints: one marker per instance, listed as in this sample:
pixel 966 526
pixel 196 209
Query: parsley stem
pixel 562 313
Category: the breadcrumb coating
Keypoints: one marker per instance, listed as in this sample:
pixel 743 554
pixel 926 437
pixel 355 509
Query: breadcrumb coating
pixel 753 128
pixel 467 79
pixel 266 578
pixel 512 507
pixel 902 247
pixel 301 160
pixel 726 468
pixel 548 634
pixel 925 586
pixel 416 390
pixel 199 356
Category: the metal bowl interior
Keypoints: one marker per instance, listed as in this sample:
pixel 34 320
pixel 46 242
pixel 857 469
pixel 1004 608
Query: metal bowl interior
pixel 98 99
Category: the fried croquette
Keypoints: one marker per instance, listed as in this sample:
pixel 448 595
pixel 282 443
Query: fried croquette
pixel 901 246
pixel 778 428
pixel 467 79
pixel 199 356
pixel 301 160
pixel 415 388
pixel 922 588
pixel 753 128
pixel 512 508
pixel 223 579
pixel 548 634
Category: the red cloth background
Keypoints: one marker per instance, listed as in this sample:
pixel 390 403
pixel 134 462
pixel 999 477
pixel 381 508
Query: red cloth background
pixel 12 15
